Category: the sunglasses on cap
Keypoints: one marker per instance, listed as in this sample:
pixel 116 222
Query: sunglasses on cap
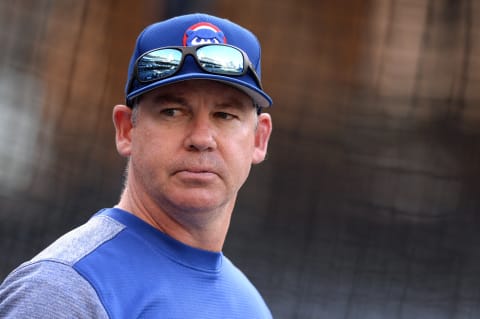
pixel 219 59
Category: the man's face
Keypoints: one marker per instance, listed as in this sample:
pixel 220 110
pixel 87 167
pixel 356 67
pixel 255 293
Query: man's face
pixel 192 145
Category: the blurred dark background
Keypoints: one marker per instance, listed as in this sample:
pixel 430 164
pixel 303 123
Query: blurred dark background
pixel 368 204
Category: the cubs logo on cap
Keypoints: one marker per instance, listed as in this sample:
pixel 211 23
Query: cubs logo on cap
pixel 203 33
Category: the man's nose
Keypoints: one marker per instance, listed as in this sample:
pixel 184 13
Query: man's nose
pixel 201 134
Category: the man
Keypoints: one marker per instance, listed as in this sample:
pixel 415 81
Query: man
pixel 191 128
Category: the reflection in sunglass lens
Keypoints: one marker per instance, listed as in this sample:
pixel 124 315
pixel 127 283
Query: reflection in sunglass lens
pixel 220 59
pixel 158 64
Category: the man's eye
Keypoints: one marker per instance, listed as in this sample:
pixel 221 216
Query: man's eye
pixel 170 112
pixel 225 116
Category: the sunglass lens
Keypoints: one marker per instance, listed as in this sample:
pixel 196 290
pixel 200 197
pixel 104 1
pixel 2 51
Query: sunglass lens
pixel 220 59
pixel 158 64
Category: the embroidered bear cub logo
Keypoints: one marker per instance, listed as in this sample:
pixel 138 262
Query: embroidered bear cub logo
pixel 202 33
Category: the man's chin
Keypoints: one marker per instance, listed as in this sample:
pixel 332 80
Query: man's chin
pixel 197 201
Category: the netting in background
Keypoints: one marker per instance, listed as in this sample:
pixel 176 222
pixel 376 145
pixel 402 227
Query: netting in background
pixel 367 205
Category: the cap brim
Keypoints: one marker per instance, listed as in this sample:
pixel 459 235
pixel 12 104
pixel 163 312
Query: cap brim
pixel 259 97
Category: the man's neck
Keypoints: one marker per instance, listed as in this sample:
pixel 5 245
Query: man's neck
pixel 207 230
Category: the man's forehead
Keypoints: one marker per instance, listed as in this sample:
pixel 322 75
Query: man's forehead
pixel 208 88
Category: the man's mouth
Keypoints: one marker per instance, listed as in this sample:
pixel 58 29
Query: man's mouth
pixel 197 173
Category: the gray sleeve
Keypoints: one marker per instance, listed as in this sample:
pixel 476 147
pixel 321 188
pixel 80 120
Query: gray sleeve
pixel 48 289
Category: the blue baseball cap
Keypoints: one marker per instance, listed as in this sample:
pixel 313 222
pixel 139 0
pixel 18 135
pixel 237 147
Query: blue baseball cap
pixel 189 30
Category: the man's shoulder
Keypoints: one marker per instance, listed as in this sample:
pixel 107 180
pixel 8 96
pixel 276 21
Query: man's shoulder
pixel 50 283
pixel 81 241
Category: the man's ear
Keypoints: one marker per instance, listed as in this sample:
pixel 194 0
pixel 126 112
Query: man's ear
pixel 262 136
pixel 122 119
